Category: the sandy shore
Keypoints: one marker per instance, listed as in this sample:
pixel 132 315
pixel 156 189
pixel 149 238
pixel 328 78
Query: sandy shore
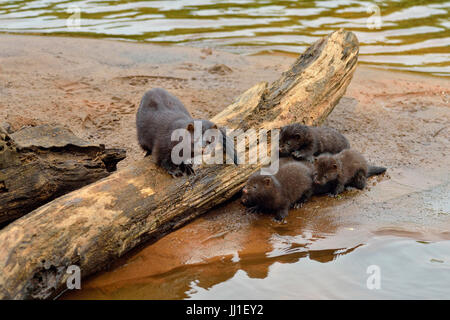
pixel 93 87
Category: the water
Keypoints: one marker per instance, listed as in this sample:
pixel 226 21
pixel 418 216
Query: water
pixel 395 246
pixel 413 35
pixel 384 268
pixel 407 269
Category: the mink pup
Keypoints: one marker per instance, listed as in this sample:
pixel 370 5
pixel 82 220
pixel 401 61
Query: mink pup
pixel 159 114
pixel 333 173
pixel 277 193
pixel 304 142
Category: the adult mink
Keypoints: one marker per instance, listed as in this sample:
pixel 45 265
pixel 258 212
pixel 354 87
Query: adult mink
pixel 159 114
pixel 304 142
pixel 347 168
pixel 277 193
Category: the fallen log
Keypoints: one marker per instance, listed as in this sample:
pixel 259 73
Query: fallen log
pixel 39 164
pixel 95 225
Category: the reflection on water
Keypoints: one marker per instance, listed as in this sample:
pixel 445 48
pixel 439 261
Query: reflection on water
pixel 409 269
pixel 414 35
pixel 229 254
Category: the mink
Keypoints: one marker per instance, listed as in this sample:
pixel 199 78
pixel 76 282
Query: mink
pixel 332 173
pixel 304 142
pixel 292 184
pixel 159 114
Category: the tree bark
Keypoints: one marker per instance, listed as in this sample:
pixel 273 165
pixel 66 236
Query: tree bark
pixel 39 164
pixel 95 225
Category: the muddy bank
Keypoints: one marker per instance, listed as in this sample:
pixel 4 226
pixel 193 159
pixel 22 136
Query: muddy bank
pixel 397 120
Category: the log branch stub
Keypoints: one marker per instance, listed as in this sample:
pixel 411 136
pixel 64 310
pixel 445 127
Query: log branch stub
pixel 39 164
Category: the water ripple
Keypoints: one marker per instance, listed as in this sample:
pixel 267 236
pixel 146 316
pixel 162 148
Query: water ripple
pixel 412 36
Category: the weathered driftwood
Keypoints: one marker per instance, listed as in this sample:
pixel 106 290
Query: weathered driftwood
pixel 39 164
pixel 99 223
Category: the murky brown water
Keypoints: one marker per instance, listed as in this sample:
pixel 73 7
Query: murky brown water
pixel 406 35
pixel 399 225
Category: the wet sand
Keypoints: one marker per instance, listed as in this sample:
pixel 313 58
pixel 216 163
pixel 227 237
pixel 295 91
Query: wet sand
pixel 398 120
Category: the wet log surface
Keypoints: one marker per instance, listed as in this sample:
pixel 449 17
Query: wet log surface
pixel 95 225
pixel 39 164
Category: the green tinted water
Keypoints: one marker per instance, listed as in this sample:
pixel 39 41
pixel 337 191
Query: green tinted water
pixel 404 35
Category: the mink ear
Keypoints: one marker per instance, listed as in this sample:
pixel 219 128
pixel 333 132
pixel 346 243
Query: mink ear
pixel 334 166
pixel 214 126
pixel 267 181
pixel 190 127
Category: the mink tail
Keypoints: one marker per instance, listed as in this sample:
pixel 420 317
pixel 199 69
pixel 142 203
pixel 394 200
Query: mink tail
pixel 374 170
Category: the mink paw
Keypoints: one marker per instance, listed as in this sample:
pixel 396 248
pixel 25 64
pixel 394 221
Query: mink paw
pixel 252 210
pixel 298 155
pixel 279 220
pixel 148 153
pixel 188 168
pixel 175 173
pixel 297 205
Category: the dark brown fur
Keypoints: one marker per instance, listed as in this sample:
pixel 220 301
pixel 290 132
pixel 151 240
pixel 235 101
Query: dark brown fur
pixel 277 193
pixel 304 142
pixel 158 115
pixel 332 173
pixel 316 189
